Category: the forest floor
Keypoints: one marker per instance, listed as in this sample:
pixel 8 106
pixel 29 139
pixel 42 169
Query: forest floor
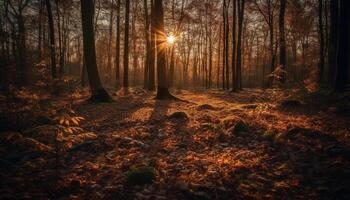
pixel 254 144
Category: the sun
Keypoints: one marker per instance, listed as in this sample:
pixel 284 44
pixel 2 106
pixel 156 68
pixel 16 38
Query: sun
pixel 170 39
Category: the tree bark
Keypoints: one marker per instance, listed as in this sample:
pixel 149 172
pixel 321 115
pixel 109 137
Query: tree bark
pixel 283 61
pixel 151 78
pixel 233 72
pixel 239 43
pixel 117 48
pixel 148 45
pixel 126 46
pixel 162 87
pixel 343 57
pixel 334 29
pixel 99 94
pixel 52 39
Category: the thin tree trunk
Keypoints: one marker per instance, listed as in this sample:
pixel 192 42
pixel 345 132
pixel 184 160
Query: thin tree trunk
pixel 321 40
pixel 334 29
pixel 109 56
pixel 239 43
pixel 151 79
pixel 283 61
pixel 219 59
pixel 126 46
pixel 52 39
pixel 117 48
pixel 148 45
pixel 227 48
pixel 234 11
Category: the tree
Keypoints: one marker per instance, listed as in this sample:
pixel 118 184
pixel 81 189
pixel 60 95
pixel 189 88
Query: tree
pixel 343 43
pixel 234 14
pixel 162 87
pixel 334 28
pixel 151 73
pixel 240 8
pixel 16 10
pixel 321 40
pixel 148 46
pixel 269 19
pixel 117 48
pixel 99 94
pixel 126 46
pixel 52 39
pixel 225 71
pixel 109 52
pixel 283 61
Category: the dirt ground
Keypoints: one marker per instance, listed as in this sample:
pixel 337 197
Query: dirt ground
pixel 212 145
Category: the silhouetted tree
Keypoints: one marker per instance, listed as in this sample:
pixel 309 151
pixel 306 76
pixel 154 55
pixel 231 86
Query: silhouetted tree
pixel 162 87
pixel 52 39
pixel 97 90
pixel 126 46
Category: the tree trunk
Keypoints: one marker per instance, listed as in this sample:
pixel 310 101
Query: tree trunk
pixel 60 41
pixel 52 39
pixel 151 79
pixel 227 48
pixel 162 87
pixel 283 61
pixel 224 55
pixel 98 92
pixel 110 37
pixel 334 29
pixel 239 43
pixel 343 57
pixel 117 48
pixel 233 72
pixel 126 46
pixel 321 40
pixel 148 45
pixel 219 59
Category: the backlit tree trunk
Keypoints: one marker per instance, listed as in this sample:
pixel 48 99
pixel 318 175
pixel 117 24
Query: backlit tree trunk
pixel 52 39
pixel 126 45
pixel 162 87
pixel 283 61
pixel 87 13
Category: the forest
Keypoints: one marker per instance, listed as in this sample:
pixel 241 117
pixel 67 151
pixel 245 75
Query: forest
pixel 175 99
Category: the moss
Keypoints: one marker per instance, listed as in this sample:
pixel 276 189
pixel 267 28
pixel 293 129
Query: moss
pixel 141 176
pixel 239 129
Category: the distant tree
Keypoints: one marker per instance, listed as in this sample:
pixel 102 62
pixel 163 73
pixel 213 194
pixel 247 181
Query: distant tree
pixel 117 47
pixel 151 73
pixel 333 33
pixel 126 45
pixel 52 39
pixel 240 7
pixel 282 38
pixel 269 17
pixel 321 40
pixel 99 94
pixel 148 46
pixel 16 11
pixel 234 25
pixel 110 37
